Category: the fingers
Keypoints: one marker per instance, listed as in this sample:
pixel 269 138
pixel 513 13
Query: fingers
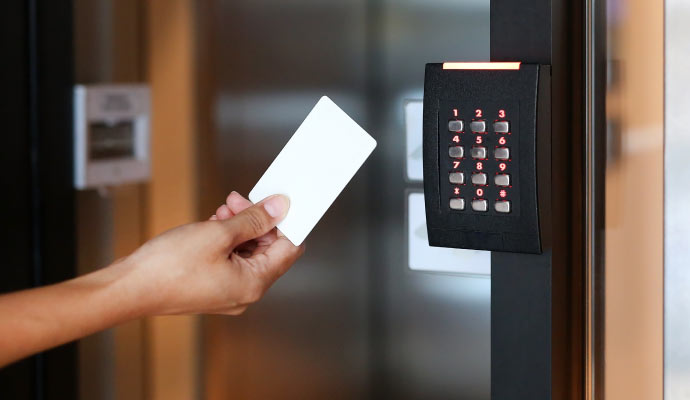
pixel 234 204
pixel 223 212
pixel 237 203
pixel 278 258
pixel 256 220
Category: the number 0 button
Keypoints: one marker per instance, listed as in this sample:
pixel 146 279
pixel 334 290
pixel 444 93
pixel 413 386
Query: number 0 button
pixel 480 205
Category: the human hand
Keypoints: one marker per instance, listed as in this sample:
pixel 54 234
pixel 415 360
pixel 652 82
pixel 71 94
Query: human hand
pixel 218 266
pixel 235 204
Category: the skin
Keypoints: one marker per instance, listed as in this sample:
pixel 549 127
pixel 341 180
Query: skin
pixel 219 266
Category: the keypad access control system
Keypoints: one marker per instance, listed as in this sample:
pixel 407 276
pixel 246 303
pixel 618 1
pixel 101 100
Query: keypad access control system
pixel 480 154
pixel 477 152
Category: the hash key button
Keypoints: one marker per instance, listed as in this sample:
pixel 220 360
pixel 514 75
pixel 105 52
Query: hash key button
pixel 502 206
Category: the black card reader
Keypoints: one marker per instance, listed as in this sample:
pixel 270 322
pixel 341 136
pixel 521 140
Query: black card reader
pixel 482 126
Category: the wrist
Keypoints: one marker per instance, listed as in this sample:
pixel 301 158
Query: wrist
pixel 123 289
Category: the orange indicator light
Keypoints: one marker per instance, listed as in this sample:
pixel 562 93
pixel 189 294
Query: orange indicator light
pixel 483 65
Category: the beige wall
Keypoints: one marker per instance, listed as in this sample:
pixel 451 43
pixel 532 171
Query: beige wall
pixel 634 204
pixel 173 353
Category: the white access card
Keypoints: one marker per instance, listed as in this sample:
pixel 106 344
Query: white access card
pixel 314 166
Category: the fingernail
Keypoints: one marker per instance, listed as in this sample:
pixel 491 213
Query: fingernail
pixel 276 206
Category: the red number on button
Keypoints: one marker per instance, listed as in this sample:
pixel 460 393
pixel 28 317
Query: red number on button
pixel 478 113
pixel 502 140
pixel 501 113
pixel 478 140
pixel 480 166
pixel 503 193
pixel 456 164
pixel 502 166
pixel 456 139
pixel 480 192
pixel 456 191
pixel 455 112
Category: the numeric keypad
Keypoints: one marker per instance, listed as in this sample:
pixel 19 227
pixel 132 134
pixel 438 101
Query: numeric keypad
pixel 481 157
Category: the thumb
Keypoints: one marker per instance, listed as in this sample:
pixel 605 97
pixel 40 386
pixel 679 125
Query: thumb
pixel 257 220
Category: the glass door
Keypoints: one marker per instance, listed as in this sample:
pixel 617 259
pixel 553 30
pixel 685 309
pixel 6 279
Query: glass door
pixel 352 319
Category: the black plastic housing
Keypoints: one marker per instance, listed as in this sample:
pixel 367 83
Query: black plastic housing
pixel 524 95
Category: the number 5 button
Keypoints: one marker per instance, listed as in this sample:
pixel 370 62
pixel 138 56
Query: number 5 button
pixel 478 152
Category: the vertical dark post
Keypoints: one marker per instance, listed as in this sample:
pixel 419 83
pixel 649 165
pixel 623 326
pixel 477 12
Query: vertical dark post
pixel 52 121
pixel 537 301
pixel 15 177
pixel 36 171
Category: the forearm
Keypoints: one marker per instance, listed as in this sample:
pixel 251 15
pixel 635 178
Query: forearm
pixel 38 319
pixel 195 268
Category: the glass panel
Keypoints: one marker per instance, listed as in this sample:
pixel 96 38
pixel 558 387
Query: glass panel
pixel 427 346
pixel 350 320
pixel 677 193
